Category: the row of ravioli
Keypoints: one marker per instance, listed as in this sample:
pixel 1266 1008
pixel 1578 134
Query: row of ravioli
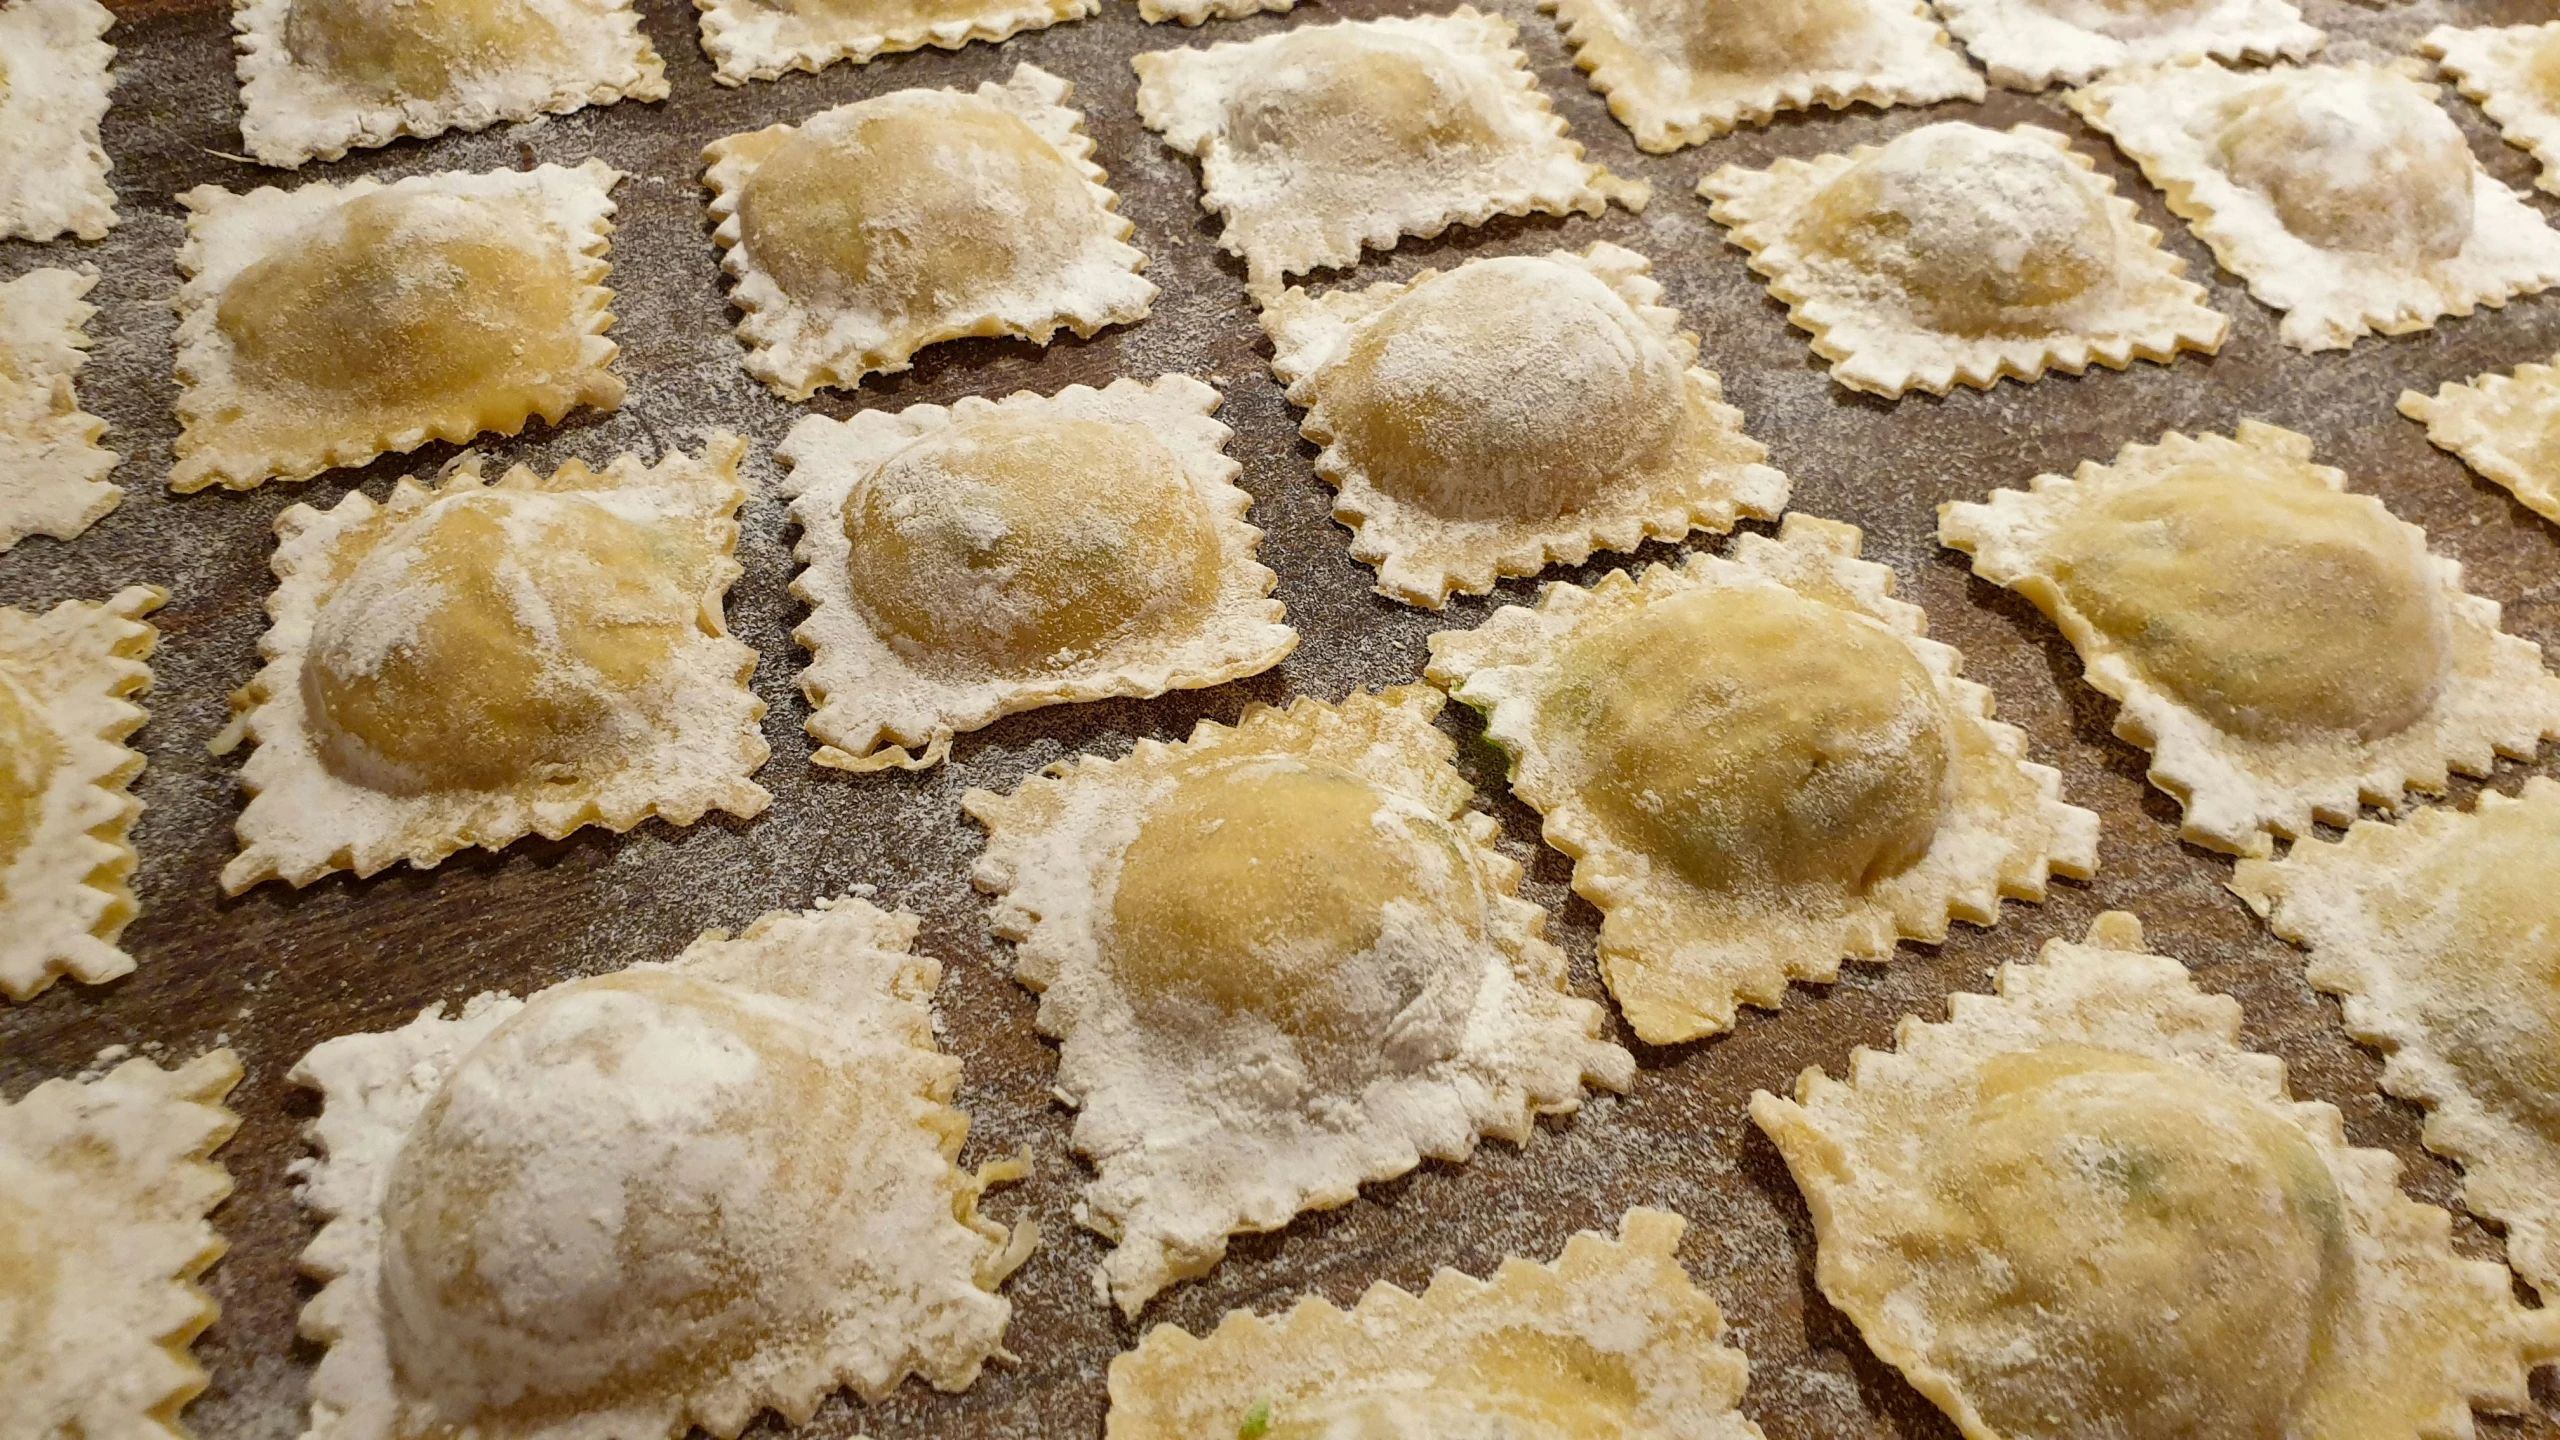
pixel 331 324
pixel 684 1193
pixel 319 77
pixel 477 659
pixel 1283 959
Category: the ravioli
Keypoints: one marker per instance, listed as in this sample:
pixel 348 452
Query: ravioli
pixel 1681 72
pixel 321 77
pixel 967 563
pixel 1512 414
pixel 2442 936
pixel 673 1195
pixel 53 92
pixel 1320 140
pixel 1759 767
pixel 2507 427
pixel 67 681
pixel 2513 71
pixel 763 39
pixel 2030 44
pixel 2077 1208
pixel 1282 961
pixel 477 662
pixel 53 471
pixel 105 1184
pixel 2342 195
pixel 1611 1341
pixel 875 229
pixel 2284 649
pixel 1959 255
pixel 327 325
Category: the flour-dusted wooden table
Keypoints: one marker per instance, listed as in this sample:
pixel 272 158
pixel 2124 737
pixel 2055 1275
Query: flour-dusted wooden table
pixel 275 971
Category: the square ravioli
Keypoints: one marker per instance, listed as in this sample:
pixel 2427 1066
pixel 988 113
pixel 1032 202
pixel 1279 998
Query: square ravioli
pixel 1760 767
pixel 104 1188
pixel 2030 44
pixel 67 681
pixel 2513 71
pixel 2077 1209
pixel 1002 555
pixel 321 77
pixel 1610 1340
pixel 53 471
pixel 2285 650
pixel 327 325
pixel 481 661
pixel 1322 139
pixel 1959 255
pixel 2507 427
pixel 2441 936
pixel 674 1195
pixel 870 231
pixel 1512 414
pixel 54 84
pixel 2342 195
pixel 762 39
pixel 1681 72
pixel 1282 960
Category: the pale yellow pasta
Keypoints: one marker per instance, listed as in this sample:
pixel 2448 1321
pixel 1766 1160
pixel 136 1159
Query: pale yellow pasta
pixel 672 1195
pixel 1760 767
pixel 2077 1208
pixel 2285 649
pixel 1282 961
pixel 331 324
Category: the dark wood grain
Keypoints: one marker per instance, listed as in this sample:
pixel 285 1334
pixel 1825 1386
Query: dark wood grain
pixel 276 970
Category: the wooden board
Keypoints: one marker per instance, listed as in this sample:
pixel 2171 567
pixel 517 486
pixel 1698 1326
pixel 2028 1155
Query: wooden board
pixel 275 971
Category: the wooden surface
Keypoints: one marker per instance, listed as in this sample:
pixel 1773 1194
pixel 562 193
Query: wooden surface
pixel 276 970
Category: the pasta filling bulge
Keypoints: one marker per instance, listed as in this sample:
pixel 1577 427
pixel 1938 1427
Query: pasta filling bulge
pixel 1512 389
pixel 1027 543
pixel 2279 611
pixel 1982 233
pixel 419 49
pixel 1749 735
pixel 498 638
pixel 1292 894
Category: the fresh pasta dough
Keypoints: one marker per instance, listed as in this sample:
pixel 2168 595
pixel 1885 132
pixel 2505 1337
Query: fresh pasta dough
pixel 875 229
pixel 763 39
pixel 482 661
pixel 2514 72
pixel 321 77
pixel 2342 194
pixel 1610 1341
pixel 54 83
pixel 68 678
pixel 672 1195
pixel 997 556
pixel 1321 140
pixel 1760 768
pixel 2030 44
pixel 105 1186
pixel 2077 1208
pixel 332 324
pixel 2442 936
pixel 1511 414
pixel 2286 650
pixel 1956 254
pixel 1282 960
pixel 1680 72
pixel 2506 426
pixel 53 471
